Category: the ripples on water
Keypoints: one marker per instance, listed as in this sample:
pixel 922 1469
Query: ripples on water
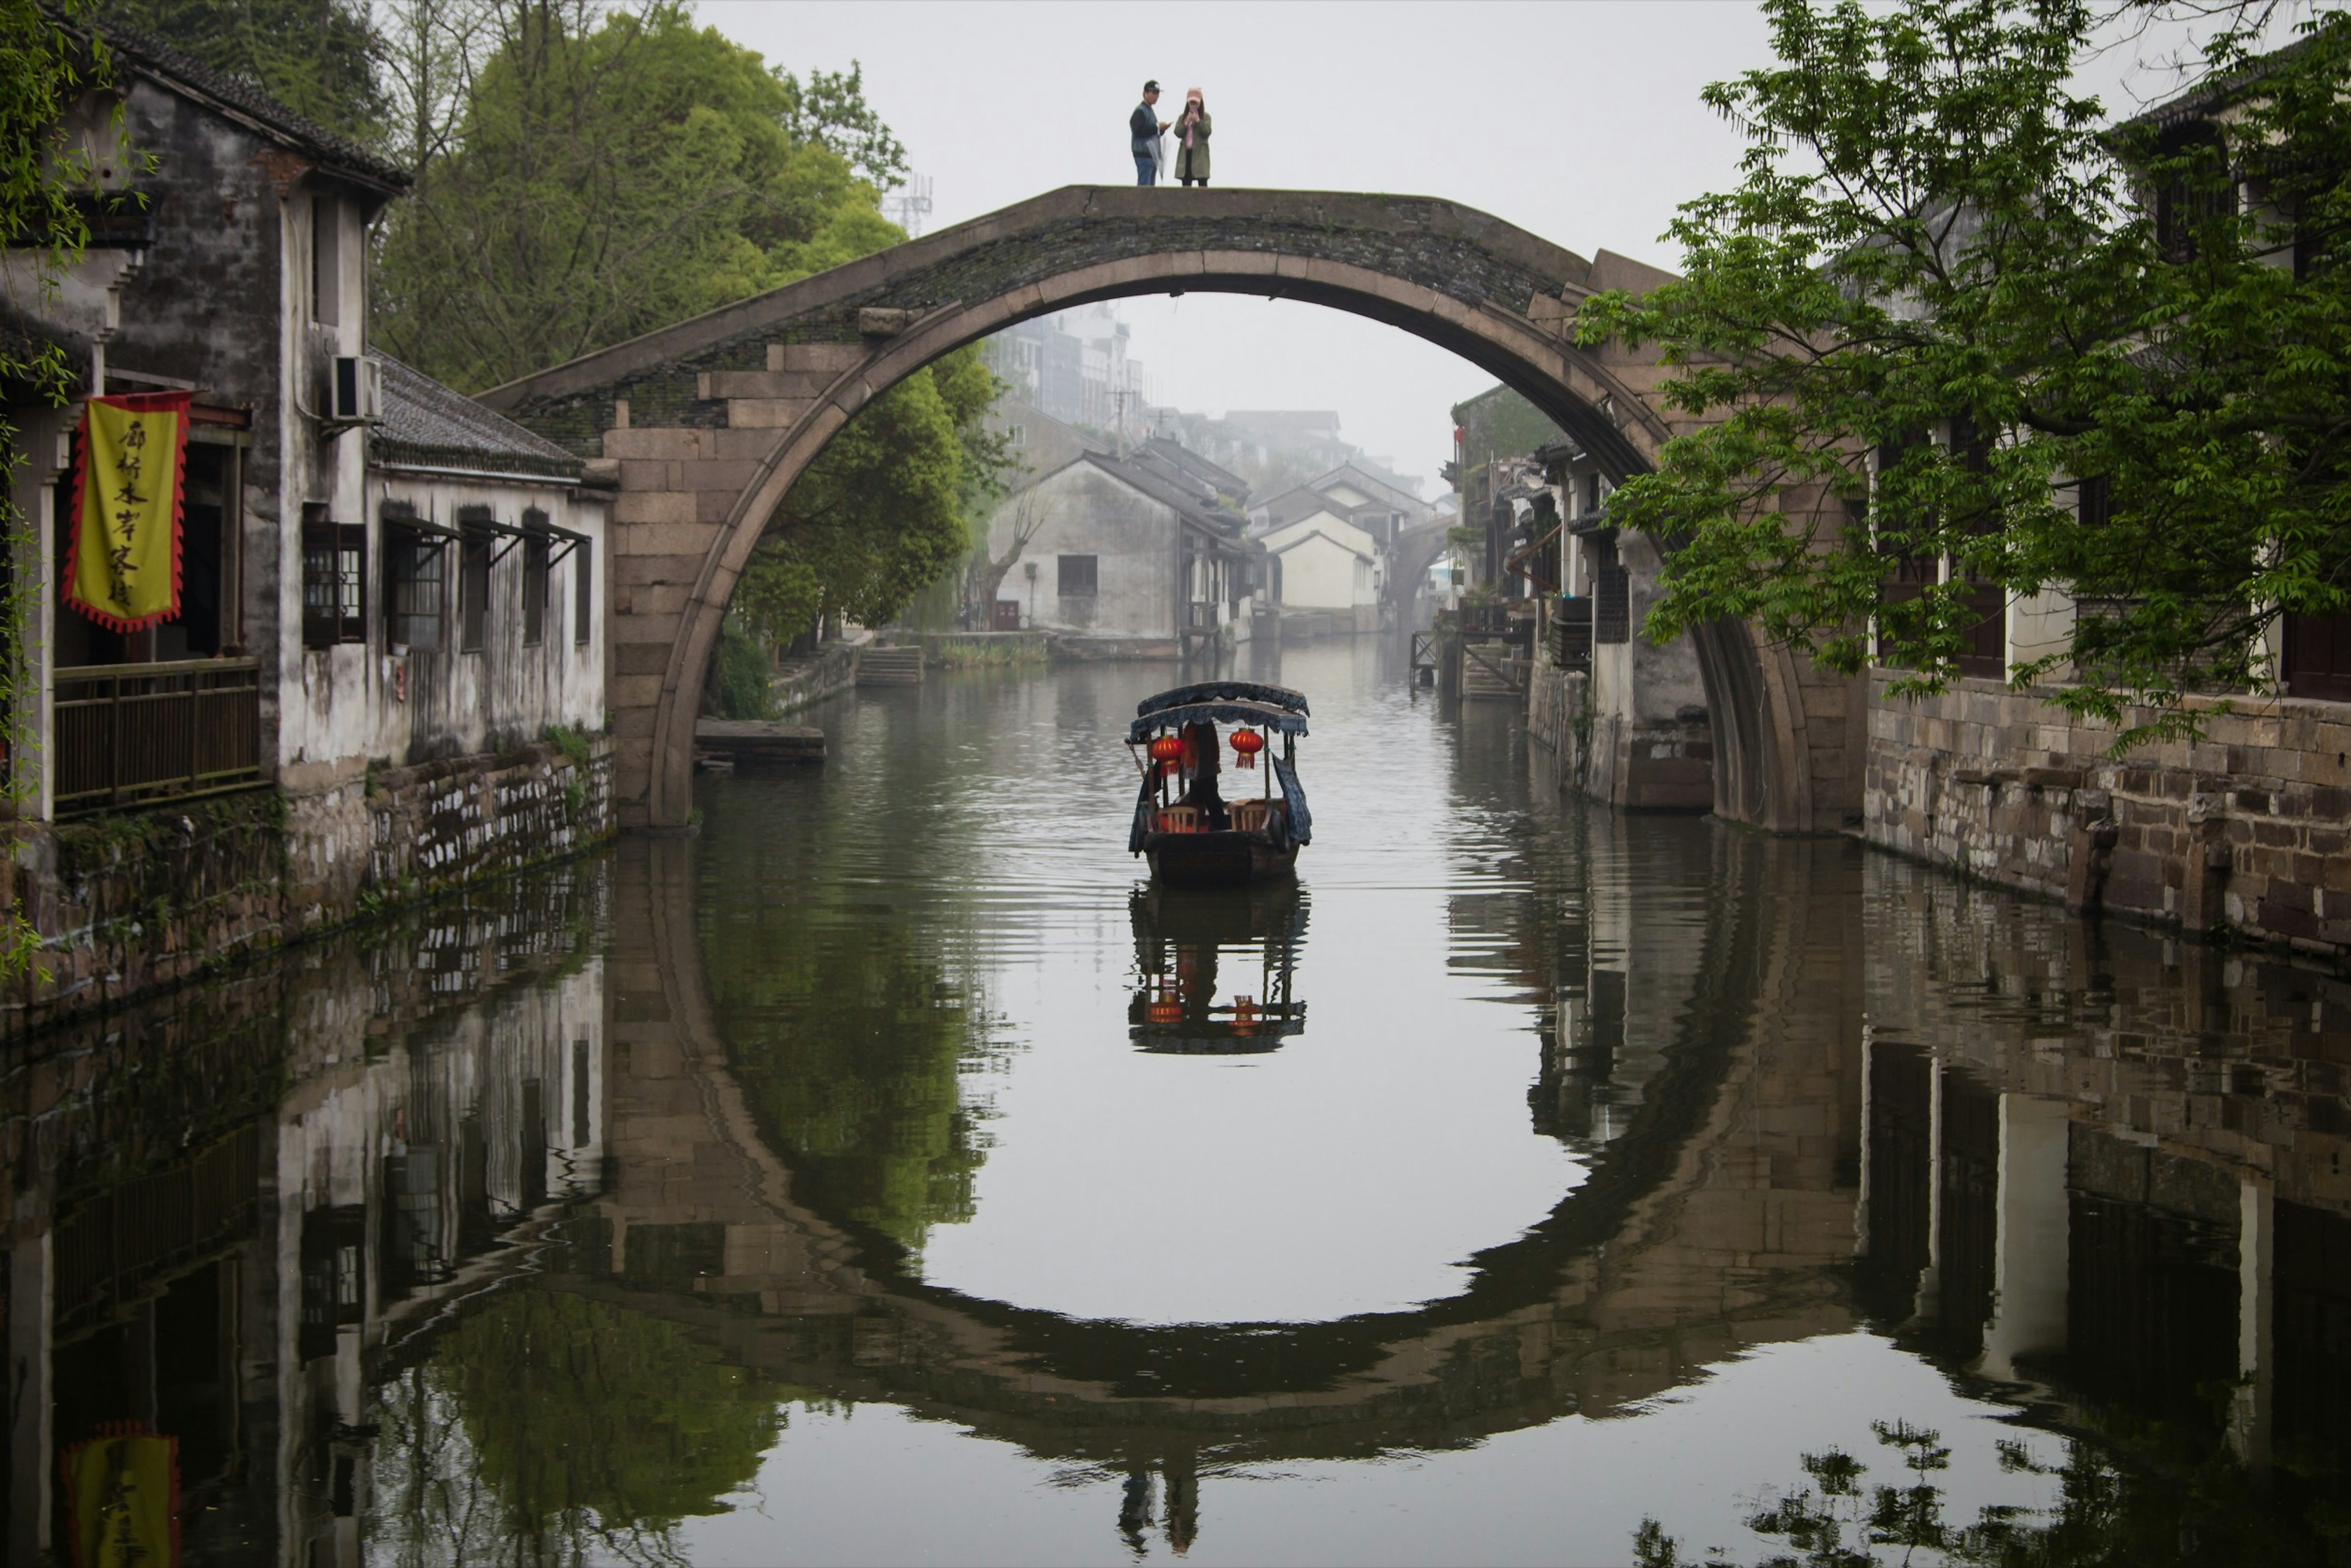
pixel 890 1174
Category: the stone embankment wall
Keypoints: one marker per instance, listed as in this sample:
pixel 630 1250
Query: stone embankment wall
pixel 128 904
pixel 1640 763
pixel 2244 832
pixel 828 672
pixel 1559 714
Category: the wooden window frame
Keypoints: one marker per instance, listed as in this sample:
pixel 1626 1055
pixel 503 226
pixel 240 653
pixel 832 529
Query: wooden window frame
pixel 408 542
pixel 334 581
pixel 583 594
pixel 475 565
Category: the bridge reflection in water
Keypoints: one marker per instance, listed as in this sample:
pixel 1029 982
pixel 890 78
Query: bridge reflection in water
pixel 486 1238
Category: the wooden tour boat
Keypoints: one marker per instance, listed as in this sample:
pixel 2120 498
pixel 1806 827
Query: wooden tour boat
pixel 1192 835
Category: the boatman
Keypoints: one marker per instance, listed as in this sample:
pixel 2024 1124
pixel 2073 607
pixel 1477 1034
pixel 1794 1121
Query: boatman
pixel 1200 744
pixel 1142 128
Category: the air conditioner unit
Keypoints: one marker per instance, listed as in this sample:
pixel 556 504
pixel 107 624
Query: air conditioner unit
pixel 357 396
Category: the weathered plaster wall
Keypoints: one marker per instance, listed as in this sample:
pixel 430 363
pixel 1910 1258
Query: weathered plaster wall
pixel 1132 538
pixel 404 706
pixel 2245 831
pixel 1326 563
pixel 131 904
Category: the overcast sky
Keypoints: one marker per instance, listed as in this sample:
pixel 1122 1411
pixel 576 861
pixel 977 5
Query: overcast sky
pixel 1579 121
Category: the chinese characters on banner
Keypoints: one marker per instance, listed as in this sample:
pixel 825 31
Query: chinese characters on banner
pixel 122 562
pixel 122 1496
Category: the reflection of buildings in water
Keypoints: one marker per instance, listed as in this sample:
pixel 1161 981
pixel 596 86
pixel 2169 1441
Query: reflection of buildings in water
pixel 1194 945
pixel 1715 1218
pixel 369 1122
pixel 2046 1155
pixel 2109 1166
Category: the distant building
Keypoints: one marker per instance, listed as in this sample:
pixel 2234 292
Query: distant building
pixel 1037 441
pixel 1321 560
pixel 1116 549
pixel 1377 504
pixel 1073 365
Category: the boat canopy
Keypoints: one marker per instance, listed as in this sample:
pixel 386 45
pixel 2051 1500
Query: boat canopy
pixel 1223 692
pixel 1265 714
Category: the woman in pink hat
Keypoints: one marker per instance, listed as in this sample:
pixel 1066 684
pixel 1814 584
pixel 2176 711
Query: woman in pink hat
pixel 1192 139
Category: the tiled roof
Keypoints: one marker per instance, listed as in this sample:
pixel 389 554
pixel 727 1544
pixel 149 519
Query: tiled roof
pixel 1161 489
pixel 430 425
pixel 2215 93
pixel 145 53
pixel 1183 457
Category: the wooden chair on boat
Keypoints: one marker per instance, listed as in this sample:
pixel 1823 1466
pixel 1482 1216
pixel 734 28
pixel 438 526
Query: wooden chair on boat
pixel 1249 816
pixel 1181 819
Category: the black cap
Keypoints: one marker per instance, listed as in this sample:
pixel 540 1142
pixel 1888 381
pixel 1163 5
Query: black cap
pixel 1151 87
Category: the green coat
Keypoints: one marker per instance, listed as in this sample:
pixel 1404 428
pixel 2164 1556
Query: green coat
pixel 1192 162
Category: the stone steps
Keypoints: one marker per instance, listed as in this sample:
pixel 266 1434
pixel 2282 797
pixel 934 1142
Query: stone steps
pixel 890 668
pixel 1478 681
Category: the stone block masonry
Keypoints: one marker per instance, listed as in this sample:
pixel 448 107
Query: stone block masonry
pixel 131 904
pixel 1656 764
pixel 2244 833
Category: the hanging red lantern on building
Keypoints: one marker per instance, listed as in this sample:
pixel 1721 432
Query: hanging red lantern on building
pixel 1247 744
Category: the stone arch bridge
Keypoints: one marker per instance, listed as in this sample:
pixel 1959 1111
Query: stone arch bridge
pixel 712 420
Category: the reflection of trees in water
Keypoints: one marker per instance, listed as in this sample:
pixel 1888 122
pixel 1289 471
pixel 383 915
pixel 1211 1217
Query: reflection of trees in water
pixel 853 1044
pixel 2160 1496
pixel 547 1427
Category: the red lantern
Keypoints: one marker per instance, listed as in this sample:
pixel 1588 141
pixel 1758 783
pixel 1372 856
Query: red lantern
pixel 1167 1012
pixel 1247 744
pixel 1166 749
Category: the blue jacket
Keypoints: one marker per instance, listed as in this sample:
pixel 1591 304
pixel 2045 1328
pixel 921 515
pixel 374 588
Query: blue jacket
pixel 1143 129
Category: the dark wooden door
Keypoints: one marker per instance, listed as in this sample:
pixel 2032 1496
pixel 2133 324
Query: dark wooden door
pixel 1986 655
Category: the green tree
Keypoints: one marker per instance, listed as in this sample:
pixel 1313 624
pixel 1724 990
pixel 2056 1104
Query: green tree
pixel 2141 1497
pixel 49 58
pixel 317 57
pixel 544 1422
pixel 852 1042
pixel 886 508
pixel 585 177
pixel 2080 365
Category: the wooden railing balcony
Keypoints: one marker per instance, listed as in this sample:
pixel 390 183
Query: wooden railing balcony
pixel 125 736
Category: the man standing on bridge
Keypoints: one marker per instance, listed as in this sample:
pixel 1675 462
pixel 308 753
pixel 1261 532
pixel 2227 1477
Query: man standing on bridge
pixel 1142 128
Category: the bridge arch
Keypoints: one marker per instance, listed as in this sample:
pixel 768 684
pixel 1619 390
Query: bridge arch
pixel 1591 1310
pixel 710 422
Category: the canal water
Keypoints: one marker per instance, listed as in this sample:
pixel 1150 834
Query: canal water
pixel 890 1174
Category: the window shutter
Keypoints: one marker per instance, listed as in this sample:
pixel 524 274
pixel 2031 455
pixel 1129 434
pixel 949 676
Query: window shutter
pixel 353 573
pixel 584 593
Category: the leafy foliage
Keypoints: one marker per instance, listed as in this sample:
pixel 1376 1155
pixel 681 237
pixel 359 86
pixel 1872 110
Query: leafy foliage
pixel 317 57
pixel 545 1423
pixel 2166 1504
pixel 583 179
pixel 883 511
pixel 740 686
pixel 48 60
pixel 852 1040
pixel 2082 368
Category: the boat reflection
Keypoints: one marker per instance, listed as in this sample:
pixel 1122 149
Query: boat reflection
pixel 472 1242
pixel 1197 948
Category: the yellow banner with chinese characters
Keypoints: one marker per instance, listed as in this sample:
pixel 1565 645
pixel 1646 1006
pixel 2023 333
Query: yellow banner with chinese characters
pixel 123 566
pixel 124 1490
